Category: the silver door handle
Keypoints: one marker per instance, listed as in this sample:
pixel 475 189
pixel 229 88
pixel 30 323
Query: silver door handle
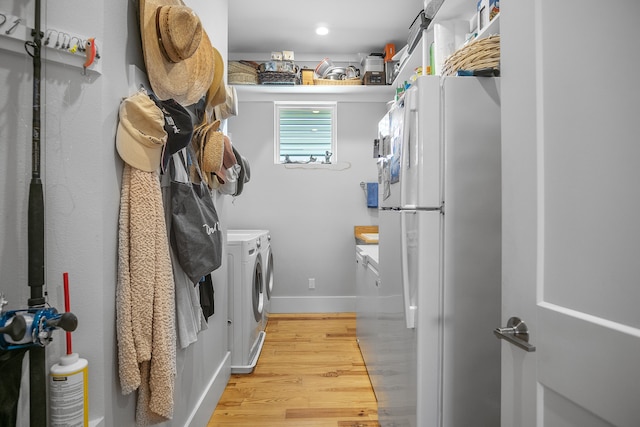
pixel 516 333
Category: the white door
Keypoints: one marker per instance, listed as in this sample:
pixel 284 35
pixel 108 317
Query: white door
pixel 571 205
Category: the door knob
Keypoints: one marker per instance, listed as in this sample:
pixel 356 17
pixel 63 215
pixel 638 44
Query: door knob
pixel 516 333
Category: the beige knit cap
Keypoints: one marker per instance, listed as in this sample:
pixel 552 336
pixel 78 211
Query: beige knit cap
pixel 140 136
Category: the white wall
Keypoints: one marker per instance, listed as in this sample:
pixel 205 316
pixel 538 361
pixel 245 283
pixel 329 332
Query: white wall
pixel 310 212
pixel 81 176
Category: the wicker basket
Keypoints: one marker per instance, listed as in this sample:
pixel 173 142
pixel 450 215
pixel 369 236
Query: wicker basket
pixel 278 78
pixel 346 82
pixel 243 79
pixel 483 53
pixel 240 73
pixel 241 67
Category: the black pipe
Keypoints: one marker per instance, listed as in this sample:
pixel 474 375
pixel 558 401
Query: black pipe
pixel 37 355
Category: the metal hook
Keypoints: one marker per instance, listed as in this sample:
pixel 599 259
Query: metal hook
pixel 66 38
pixel 46 40
pixel 13 27
pixel 74 48
pixel 4 19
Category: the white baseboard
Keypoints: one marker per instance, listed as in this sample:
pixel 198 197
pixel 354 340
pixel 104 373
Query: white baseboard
pixel 210 397
pixel 313 304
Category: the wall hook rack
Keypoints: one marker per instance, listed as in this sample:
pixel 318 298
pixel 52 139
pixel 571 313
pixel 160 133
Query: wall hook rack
pixel 58 46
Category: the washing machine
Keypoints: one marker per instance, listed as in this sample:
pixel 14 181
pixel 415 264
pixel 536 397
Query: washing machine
pixel 267 263
pixel 246 300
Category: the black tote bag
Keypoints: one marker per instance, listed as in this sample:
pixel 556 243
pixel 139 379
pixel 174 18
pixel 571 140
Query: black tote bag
pixel 195 227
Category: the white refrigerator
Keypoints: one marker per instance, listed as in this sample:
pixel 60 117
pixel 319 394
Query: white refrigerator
pixel 436 363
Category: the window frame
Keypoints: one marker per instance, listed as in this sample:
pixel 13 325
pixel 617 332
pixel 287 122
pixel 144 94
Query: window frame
pixel 310 105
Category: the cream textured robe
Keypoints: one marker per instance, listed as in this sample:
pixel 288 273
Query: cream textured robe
pixel 145 298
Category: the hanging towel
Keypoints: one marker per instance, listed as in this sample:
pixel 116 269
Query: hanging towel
pixel 372 194
pixel 145 299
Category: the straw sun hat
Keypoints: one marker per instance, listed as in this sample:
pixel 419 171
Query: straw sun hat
pixel 216 93
pixel 209 144
pixel 178 54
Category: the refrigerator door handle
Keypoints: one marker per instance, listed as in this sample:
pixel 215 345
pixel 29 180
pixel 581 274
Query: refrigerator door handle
pixel 409 309
pixel 409 151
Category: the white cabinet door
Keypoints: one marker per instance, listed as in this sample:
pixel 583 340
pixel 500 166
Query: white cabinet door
pixel 360 291
pixel 571 233
pixel 366 307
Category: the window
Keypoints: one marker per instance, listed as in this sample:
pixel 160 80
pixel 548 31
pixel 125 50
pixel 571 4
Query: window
pixel 305 132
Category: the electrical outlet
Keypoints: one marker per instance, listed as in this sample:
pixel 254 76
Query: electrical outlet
pixel 312 283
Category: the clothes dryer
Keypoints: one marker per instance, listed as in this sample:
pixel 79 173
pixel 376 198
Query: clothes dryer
pixel 267 263
pixel 246 300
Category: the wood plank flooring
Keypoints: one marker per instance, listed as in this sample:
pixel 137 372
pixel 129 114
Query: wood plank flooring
pixel 310 374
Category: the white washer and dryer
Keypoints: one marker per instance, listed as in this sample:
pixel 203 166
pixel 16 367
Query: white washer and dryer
pixel 246 300
pixel 267 264
pixel 268 278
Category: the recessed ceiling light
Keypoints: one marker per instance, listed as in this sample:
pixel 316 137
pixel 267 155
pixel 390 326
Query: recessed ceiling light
pixel 322 31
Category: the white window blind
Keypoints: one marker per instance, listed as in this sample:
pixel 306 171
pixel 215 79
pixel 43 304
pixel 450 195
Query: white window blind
pixel 305 133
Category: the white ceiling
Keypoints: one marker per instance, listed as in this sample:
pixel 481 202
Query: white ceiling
pixel 356 26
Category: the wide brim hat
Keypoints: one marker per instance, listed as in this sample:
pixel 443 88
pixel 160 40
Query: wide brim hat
pixel 141 136
pixel 217 91
pixel 178 54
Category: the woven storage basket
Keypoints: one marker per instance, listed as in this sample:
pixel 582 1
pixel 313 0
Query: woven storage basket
pixel 346 82
pixel 239 67
pixel 278 78
pixel 243 79
pixel 242 74
pixel 483 53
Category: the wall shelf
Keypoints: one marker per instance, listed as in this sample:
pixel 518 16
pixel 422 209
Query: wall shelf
pixel 411 62
pixel 450 10
pixel 463 9
pixel 348 93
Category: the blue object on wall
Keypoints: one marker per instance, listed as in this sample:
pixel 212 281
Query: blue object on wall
pixel 372 194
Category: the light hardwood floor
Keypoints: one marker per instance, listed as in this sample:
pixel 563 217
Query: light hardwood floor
pixel 310 374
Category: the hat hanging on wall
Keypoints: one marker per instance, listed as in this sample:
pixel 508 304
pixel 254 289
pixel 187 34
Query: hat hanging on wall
pixel 216 93
pixel 229 107
pixel 228 159
pixel 245 172
pixel 178 54
pixel 212 148
pixel 217 89
pixel 178 125
pixel 141 136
